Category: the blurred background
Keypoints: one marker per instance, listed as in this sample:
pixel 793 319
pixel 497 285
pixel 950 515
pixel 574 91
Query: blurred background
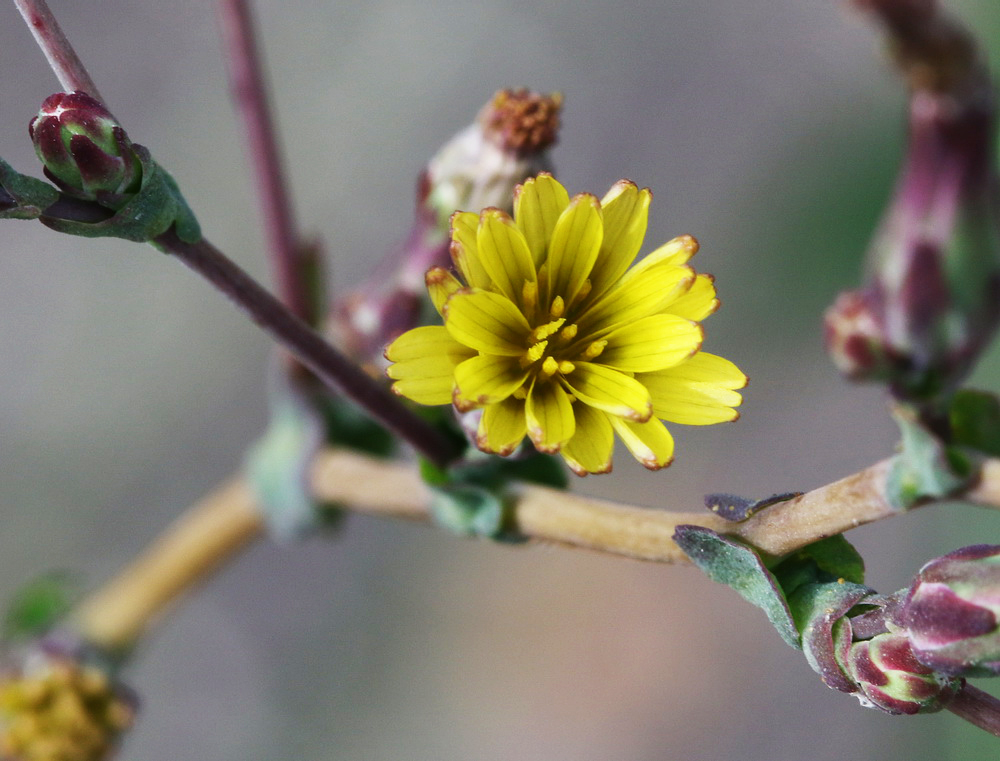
pixel 770 131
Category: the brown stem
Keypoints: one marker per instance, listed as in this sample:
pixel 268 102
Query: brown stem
pixel 977 707
pixel 311 348
pixel 250 96
pixel 65 63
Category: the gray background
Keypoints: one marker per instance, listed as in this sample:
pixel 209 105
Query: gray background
pixel 770 130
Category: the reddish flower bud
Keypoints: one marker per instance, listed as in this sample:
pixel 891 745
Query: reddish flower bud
pixel 890 678
pixel 951 613
pixel 84 150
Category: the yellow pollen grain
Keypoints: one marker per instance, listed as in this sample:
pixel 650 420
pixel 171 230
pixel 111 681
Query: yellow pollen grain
pixel 544 331
pixel 550 366
pixel 566 367
pixel 558 307
pixel 569 332
pixel 595 349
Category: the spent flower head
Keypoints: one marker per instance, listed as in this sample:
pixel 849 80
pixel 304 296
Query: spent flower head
pixel 552 335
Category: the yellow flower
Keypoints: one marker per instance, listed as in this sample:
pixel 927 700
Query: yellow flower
pixel 551 334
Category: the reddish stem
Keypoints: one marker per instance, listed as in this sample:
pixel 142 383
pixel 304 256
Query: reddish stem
pixel 977 707
pixel 68 67
pixel 250 96
pixel 311 348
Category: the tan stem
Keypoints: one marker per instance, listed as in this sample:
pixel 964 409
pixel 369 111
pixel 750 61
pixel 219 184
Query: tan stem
pixel 228 520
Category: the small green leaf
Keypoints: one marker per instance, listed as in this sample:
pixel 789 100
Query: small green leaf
pixel 21 196
pixel 467 510
pixel 924 468
pixel 729 562
pixel 38 605
pixel 975 421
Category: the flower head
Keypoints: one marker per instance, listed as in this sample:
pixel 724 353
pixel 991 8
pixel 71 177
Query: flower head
pixel 552 335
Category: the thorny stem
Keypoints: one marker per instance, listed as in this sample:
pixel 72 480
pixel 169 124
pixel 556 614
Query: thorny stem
pixel 977 707
pixel 250 96
pixel 116 615
pixel 311 348
pixel 65 63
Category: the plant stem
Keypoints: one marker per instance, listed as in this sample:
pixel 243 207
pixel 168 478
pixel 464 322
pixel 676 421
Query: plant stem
pixel 65 63
pixel 312 349
pixel 120 612
pixel 977 707
pixel 250 96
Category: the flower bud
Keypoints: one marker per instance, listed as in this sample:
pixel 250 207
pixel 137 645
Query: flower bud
pixel 933 300
pixel 890 678
pixel 950 613
pixel 84 150
pixel 56 707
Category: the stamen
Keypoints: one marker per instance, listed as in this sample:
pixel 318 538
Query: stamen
pixel 550 367
pixel 584 290
pixel 558 307
pixel 595 349
pixel 566 367
pixel 520 393
pixel 534 354
pixel 569 332
pixel 544 331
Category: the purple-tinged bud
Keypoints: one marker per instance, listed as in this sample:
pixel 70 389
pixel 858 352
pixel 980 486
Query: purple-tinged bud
pixel 84 150
pixel 951 612
pixel 933 300
pixel 890 678
pixel 854 337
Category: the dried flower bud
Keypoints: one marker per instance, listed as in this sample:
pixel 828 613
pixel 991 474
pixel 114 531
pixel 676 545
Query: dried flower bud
pixel 890 678
pixel 479 167
pixel 950 613
pixel 84 150
pixel 57 708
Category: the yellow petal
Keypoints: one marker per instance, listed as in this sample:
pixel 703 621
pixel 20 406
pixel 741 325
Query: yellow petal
pixel 465 250
pixel 502 427
pixel 424 364
pixel 634 298
pixel 441 285
pixel 426 341
pixel 650 442
pixel 676 252
pixel 700 391
pixel 486 379
pixel 625 210
pixel 699 301
pixel 610 390
pixel 590 449
pixel 488 322
pixel 538 202
pixel 549 415
pixel 576 240
pixel 504 254
pixel 652 343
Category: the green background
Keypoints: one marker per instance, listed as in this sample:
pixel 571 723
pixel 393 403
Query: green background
pixel 770 131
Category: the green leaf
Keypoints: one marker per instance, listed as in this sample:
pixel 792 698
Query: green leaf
pixel 727 561
pixel 830 559
pixel 21 196
pixel 975 421
pixel 818 611
pixel 924 468
pixel 144 215
pixel 39 604
pixel 467 510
